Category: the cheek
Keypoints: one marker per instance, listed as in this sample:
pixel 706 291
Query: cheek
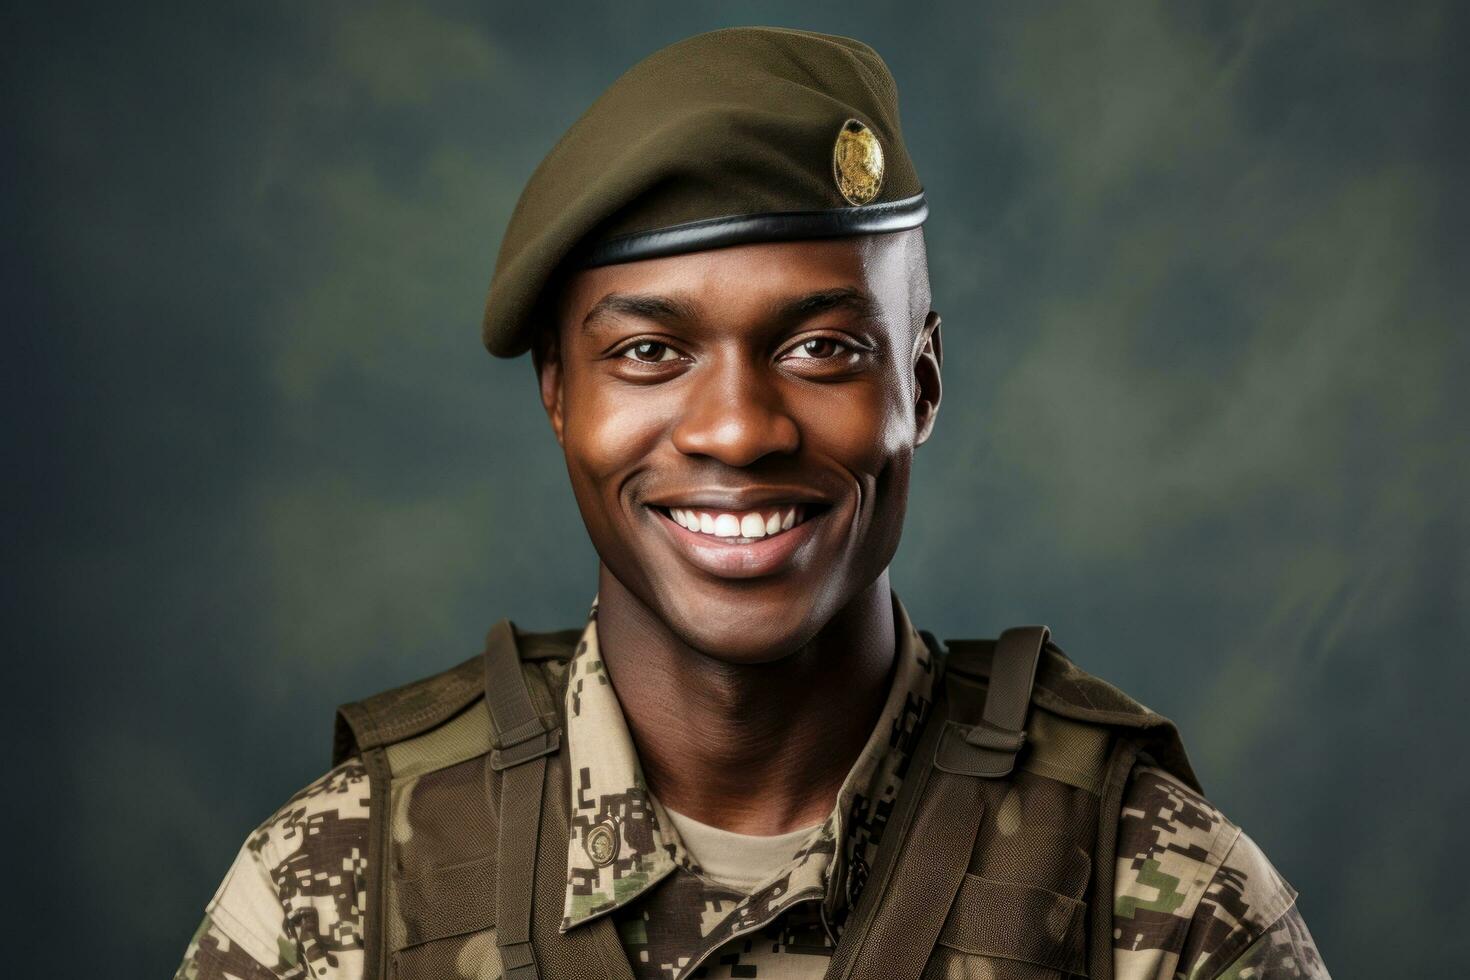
pixel 866 427
pixel 608 427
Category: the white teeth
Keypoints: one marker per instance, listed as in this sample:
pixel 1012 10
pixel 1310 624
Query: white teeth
pixel 748 525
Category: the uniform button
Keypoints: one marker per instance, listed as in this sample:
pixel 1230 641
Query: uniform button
pixel 601 843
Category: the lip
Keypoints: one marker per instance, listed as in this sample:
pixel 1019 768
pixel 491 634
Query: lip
pixel 723 558
pixel 745 498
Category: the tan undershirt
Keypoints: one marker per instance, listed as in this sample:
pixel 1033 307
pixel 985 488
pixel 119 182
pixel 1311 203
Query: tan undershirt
pixel 741 861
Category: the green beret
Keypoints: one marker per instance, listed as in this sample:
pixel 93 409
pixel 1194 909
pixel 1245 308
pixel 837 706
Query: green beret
pixel 751 134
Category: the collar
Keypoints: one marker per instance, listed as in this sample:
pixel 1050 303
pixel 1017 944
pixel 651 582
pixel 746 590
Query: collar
pixel 621 842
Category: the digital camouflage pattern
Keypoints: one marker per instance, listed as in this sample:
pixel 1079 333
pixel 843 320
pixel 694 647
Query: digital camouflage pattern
pixel 292 904
pixel 1194 898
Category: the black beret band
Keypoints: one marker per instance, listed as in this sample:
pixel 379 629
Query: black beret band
pixel 771 226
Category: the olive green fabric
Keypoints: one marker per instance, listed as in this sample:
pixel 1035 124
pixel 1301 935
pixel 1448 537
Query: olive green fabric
pixel 738 122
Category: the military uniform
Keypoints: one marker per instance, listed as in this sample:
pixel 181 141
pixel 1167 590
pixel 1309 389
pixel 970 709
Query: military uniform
pixel 1009 817
pixel 1192 895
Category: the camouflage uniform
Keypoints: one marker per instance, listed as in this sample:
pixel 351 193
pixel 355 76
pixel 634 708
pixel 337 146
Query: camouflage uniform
pixel 291 905
pixel 1193 898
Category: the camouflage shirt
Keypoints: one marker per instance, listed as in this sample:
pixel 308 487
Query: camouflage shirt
pixel 1193 898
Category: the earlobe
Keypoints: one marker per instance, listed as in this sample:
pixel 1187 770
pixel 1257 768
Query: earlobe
pixel 927 386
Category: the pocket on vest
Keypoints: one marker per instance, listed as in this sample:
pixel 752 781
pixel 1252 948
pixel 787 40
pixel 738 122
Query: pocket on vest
pixel 445 902
pixel 446 923
pixel 1010 931
pixel 473 955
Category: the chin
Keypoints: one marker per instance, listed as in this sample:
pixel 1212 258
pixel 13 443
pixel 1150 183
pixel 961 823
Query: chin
pixel 737 649
pixel 739 621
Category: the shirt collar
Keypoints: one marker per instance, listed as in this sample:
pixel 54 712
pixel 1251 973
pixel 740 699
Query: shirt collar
pixel 621 842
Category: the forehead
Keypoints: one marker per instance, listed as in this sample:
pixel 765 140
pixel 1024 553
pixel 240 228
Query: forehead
pixel 753 276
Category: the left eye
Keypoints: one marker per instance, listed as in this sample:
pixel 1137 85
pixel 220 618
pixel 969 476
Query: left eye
pixel 818 348
pixel 650 352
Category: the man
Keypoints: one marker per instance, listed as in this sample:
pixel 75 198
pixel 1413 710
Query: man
pixel 748 763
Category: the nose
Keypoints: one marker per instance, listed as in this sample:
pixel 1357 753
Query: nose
pixel 736 418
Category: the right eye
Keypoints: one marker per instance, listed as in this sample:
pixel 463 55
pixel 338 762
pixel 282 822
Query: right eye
pixel 650 352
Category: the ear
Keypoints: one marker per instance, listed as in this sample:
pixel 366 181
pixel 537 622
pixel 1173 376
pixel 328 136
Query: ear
pixel 928 357
pixel 546 356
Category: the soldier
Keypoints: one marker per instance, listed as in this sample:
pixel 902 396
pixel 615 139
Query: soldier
pixel 748 762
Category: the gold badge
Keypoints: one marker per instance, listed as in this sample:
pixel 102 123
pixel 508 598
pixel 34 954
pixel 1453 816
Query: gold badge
pixel 857 163
pixel 601 843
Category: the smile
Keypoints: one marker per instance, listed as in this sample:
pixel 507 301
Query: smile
pixel 742 543
pixel 740 526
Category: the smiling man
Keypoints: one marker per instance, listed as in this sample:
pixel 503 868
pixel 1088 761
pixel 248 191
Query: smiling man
pixel 748 762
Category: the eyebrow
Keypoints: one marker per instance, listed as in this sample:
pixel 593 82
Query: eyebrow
pixel 672 309
pixel 663 309
pixel 847 298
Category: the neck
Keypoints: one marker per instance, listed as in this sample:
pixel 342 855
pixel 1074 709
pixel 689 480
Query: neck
pixel 749 748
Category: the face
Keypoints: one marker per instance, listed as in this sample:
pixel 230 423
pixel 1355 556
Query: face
pixel 739 426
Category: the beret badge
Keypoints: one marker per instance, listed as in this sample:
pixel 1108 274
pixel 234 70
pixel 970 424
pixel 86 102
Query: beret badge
pixel 857 163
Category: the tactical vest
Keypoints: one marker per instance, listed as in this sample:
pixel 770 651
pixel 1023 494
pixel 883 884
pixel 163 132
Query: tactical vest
pixel 997 860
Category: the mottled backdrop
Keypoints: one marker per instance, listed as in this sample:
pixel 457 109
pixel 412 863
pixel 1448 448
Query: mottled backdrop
pixel 1203 272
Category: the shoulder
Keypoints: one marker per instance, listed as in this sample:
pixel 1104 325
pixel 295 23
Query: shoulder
pixel 1194 895
pixel 412 709
pixel 326 820
pixel 1065 690
pixel 293 900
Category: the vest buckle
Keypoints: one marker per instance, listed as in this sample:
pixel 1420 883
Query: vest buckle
pixel 993 737
pixel 527 742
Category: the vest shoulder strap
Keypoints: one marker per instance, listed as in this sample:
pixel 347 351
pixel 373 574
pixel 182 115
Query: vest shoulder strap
pixel 938 813
pixel 505 705
pixel 918 869
pixel 520 729
pixel 987 748
pixel 420 706
pixel 1069 692
pixel 523 737
pixel 1014 702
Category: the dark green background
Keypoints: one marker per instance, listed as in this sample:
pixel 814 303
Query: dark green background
pixel 1203 274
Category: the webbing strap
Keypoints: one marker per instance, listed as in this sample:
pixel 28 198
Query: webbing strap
pixel 380 826
pixel 520 733
pixel 903 909
pixel 522 742
pixel 988 749
pixel 863 949
pixel 932 865
pixel 515 874
pixel 1012 675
